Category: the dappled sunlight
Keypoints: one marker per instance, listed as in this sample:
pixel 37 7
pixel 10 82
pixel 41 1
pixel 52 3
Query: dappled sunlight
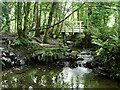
pixel 62 44
pixel 74 77
pixel 111 21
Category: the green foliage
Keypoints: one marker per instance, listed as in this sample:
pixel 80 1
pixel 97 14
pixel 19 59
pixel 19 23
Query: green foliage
pixel 108 50
pixel 100 14
pixel 50 53
pixel 56 52
pixel 79 39
pixel 23 42
pixel 84 39
pixel 65 48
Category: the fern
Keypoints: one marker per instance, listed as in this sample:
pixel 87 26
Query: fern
pixel 23 42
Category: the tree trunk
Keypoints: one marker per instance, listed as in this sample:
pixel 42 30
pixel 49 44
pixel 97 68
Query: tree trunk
pixel 65 17
pixel 49 22
pixel 78 15
pixel 34 15
pixel 15 16
pixel 37 33
pixel 19 19
pixel 7 11
pixel 119 19
pixel 55 29
pixel 0 19
pixel 89 14
pixel 44 19
pixel 26 11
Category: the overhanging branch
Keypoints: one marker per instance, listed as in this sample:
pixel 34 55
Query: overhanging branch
pixel 47 26
pixel 66 17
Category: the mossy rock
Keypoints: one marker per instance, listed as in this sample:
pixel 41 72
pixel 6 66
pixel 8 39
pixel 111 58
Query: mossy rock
pixel 19 70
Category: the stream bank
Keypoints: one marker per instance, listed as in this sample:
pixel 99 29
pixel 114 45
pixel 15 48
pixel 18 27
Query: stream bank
pixel 19 59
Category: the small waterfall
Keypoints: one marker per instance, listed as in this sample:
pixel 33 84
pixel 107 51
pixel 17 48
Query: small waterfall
pixel 80 64
pixel 66 64
pixel 74 77
pixel 83 58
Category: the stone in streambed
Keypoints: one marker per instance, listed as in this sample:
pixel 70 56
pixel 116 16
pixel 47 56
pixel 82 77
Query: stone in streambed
pixel 6 52
pixel 12 56
pixel 92 64
pixel 79 59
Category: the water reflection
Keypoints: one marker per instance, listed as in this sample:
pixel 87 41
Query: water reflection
pixel 73 77
pixel 41 77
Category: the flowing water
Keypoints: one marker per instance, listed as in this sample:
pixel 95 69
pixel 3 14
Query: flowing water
pixel 49 76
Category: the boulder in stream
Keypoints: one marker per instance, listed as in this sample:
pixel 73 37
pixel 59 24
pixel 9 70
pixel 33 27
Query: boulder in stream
pixel 92 64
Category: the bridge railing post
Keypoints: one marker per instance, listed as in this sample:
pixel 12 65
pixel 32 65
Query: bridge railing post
pixel 77 26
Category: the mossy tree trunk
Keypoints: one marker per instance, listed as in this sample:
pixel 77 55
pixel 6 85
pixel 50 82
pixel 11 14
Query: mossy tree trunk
pixel 119 19
pixel 49 22
pixel 26 12
pixel 34 16
pixel 78 15
pixel 6 14
pixel 38 16
pixel 19 19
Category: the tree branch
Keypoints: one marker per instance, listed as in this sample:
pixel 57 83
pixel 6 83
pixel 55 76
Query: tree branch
pixel 47 26
pixel 66 17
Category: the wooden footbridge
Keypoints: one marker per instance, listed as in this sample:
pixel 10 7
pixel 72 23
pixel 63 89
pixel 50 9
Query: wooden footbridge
pixel 75 27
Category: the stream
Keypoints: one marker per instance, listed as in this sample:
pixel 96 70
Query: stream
pixel 48 76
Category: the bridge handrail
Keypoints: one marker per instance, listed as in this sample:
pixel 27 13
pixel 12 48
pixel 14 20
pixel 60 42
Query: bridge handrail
pixel 76 25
